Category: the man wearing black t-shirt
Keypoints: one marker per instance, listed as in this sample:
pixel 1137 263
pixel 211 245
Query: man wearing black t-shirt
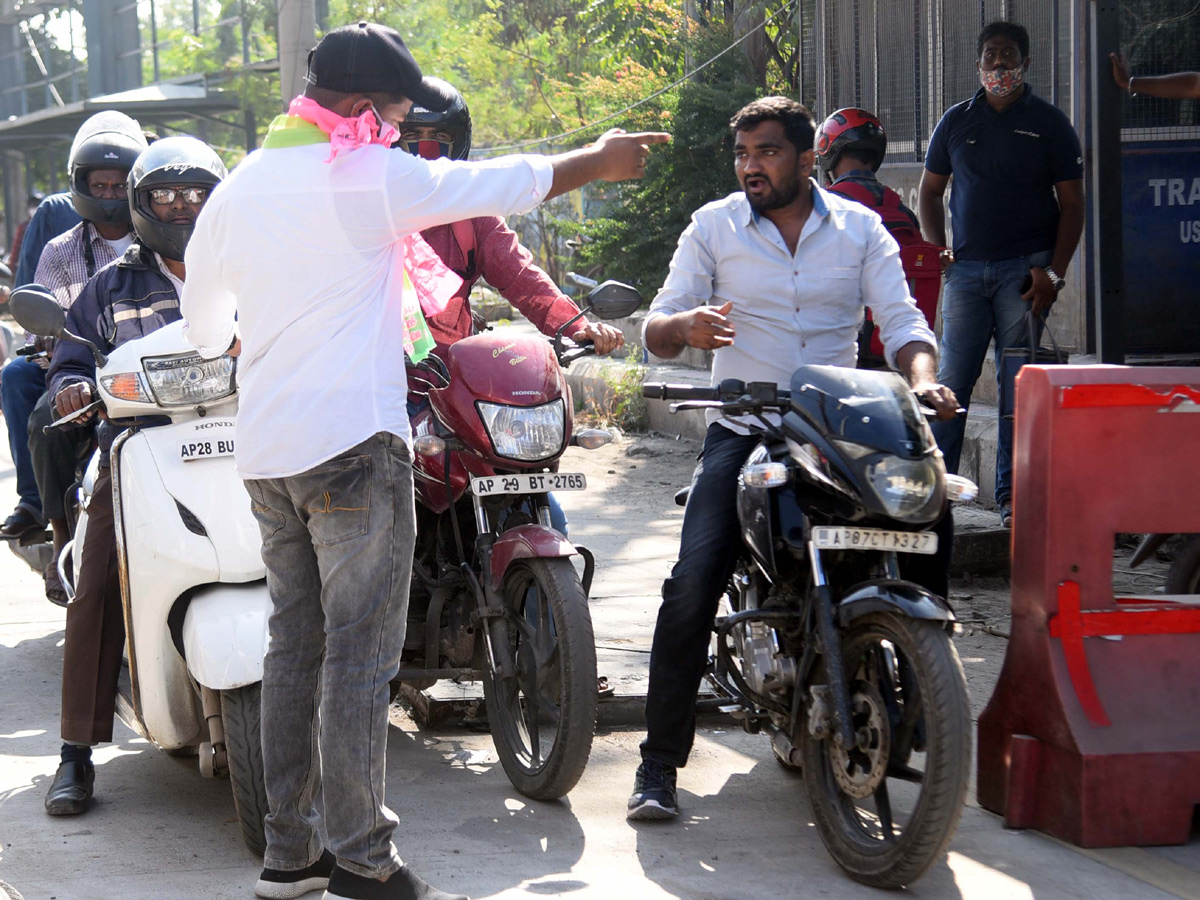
pixel 1017 210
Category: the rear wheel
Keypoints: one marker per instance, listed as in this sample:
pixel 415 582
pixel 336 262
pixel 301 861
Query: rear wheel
pixel 1184 575
pixel 544 715
pixel 241 717
pixel 887 808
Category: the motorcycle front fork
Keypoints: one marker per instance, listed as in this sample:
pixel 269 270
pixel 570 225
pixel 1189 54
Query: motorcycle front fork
pixel 490 603
pixel 831 649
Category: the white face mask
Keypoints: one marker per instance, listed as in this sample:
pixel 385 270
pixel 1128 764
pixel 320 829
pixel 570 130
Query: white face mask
pixel 32 210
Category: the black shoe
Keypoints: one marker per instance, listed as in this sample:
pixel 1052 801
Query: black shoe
pixel 19 524
pixel 402 885
pixel 71 791
pixel 653 797
pixel 275 884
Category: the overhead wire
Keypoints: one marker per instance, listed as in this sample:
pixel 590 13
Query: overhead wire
pixel 582 128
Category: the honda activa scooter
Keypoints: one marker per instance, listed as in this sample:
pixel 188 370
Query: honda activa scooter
pixel 193 587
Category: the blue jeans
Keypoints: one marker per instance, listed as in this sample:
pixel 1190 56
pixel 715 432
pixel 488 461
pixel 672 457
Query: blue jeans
pixel 708 549
pixel 21 386
pixel 338 545
pixel 981 300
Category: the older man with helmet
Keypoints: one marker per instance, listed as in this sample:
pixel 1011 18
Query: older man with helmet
pixel 101 155
pixel 136 295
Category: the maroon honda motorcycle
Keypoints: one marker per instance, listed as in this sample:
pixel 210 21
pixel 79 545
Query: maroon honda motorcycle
pixel 495 595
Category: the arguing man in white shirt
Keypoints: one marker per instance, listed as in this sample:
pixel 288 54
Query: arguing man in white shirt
pixel 306 242
pixel 770 278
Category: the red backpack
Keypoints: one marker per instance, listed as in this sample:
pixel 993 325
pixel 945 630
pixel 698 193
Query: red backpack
pixel 919 258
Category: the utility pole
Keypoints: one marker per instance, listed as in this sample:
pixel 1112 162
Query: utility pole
pixel 1104 183
pixel 297 35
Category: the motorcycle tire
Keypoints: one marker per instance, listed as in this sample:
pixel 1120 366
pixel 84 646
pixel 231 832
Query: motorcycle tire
pixel 553 693
pixel 241 718
pixel 933 721
pixel 1184 575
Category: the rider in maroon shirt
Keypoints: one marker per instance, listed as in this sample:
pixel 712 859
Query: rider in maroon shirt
pixel 486 247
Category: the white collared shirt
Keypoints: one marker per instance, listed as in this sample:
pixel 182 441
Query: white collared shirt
pixel 791 310
pixel 305 253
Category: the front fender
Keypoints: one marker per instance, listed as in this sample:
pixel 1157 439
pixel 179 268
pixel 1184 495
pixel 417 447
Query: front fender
pixel 887 595
pixel 225 634
pixel 527 542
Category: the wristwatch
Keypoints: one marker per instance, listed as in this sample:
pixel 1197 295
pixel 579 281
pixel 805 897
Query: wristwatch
pixel 1055 279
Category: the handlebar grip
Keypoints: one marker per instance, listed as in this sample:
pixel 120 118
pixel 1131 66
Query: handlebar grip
pixel 658 390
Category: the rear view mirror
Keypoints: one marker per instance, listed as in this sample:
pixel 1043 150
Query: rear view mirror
pixel 36 310
pixel 613 300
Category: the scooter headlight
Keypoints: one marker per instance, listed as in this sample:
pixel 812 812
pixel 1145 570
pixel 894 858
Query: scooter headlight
pixel 908 488
pixel 526 433
pixel 190 379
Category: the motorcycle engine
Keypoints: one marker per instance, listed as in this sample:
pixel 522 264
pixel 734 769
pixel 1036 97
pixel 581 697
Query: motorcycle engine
pixel 768 670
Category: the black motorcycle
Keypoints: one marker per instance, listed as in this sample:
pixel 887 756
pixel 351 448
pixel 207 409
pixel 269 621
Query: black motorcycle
pixel 848 667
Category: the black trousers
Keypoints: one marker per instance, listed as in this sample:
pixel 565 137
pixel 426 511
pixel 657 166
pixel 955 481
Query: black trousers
pixel 54 456
pixel 708 550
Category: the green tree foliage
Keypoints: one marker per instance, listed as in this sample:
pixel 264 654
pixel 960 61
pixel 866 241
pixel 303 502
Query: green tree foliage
pixel 634 239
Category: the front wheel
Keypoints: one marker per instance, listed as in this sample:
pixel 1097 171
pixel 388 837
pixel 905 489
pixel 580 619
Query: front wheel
pixel 544 715
pixel 887 808
pixel 241 718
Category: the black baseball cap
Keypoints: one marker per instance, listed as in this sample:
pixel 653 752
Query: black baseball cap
pixel 367 58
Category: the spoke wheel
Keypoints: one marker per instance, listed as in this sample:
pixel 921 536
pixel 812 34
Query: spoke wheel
pixel 543 716
pixel 888 807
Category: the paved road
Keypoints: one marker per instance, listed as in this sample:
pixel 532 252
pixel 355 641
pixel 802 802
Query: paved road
pixel 159 830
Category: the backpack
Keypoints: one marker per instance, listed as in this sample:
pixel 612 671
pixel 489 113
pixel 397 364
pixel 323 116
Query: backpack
pixel 920 258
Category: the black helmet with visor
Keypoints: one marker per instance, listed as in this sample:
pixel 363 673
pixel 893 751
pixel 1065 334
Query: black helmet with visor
pixel 108 140
pixel 454 122
pixel 170 163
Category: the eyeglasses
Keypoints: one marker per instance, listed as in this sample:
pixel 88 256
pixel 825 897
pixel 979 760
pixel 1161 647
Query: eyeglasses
pixel 165 196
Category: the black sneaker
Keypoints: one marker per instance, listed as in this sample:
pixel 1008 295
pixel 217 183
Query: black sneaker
pixel 653 797
pixel 402 885
pixel 277 885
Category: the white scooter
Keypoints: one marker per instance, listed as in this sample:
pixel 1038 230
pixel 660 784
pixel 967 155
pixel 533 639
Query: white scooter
pixel 193 586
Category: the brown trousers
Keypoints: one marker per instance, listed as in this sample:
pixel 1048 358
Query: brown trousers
pixel 95 629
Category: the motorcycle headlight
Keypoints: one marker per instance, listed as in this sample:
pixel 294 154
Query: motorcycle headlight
pixel 526 433
pixel 190 379
pixel 906 487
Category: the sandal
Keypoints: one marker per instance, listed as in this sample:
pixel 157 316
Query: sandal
pixel 55 592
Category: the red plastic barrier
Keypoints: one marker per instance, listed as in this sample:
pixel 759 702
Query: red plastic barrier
pixel 1093 733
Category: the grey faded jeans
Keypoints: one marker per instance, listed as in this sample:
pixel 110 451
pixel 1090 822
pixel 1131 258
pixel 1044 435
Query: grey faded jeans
pixel 338 544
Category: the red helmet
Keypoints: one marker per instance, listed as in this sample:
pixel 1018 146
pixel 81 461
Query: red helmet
pixel 851 129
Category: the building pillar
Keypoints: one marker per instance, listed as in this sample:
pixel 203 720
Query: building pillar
pixel 297 35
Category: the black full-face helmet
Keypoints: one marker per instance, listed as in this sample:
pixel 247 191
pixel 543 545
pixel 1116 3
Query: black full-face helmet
pixel 108 140
pixel 174 162
pixel 455 121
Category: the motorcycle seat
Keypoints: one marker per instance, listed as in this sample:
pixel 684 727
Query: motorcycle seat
pixel 682 495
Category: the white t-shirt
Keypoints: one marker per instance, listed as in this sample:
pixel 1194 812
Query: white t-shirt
pixel 305 253
pixel 120 245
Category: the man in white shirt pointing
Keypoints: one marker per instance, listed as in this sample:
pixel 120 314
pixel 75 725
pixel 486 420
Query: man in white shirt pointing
pixel 770 278
pixel 305 242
